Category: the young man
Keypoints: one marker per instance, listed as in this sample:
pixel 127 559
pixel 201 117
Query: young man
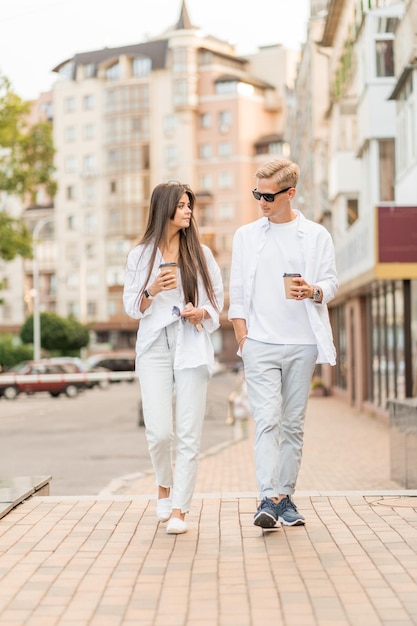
pixel 280 338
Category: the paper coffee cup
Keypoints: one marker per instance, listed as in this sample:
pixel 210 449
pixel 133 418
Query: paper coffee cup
pixel 288 283
pixel 172 268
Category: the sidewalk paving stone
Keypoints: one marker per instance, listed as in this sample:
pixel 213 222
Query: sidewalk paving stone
pixel 103 560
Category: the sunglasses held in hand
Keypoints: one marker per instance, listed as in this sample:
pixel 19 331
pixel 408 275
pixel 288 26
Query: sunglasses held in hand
pixel 177 311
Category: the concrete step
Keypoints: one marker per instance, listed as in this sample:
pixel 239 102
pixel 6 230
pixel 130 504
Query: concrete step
pixel 15 490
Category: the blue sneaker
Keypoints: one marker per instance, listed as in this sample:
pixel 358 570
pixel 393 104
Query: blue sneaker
pixel 266 515
pixel 287 513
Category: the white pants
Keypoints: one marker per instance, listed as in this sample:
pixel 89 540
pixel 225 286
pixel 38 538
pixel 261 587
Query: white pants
pixel 278 380
pixel 159 382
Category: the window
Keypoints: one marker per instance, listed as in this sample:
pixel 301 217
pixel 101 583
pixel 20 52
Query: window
pixel 89 163
pixel 115 276
pixel 225 121
pixel 141 96
pixel 140 125
pixel 90 223
pixel 205 120
pixel 225 180
pixel 384 57
pixel 180 91
pixel 89 132
pixel 91 308
pixel 352 210
pixel 225 149
pixel 73 308
pixel 69 104
pixel 226 87
pixel 90 250
pixel 385 329
pixel 206 182
pixel 179 60
pixel 226 211
pixel 70 133
pixel 205 214
pixel 88 102
pixel 170 124
pixel 386 170
pixel 111 307
pixel 47 110
pixel 113 72
pixel 67 71
pixel 205 151
pixel 141 67
pixel 226 243
pixel 205 57
pixel 113 156
pixel 70 164
pixel 89 70
pixel 71 222
pixel 113 186
pixel 407 149
pixel 89 193
pixel 170 154
pixel 70 192
pixel 92 279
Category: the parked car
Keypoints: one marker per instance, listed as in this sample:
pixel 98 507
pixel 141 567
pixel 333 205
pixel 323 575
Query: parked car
pixel 25 378
pixel 114 361
pixel 75 364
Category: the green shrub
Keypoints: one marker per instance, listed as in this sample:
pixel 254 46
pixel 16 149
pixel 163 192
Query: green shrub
pixel 13 352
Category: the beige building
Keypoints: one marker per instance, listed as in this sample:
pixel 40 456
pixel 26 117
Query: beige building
pixel 182 106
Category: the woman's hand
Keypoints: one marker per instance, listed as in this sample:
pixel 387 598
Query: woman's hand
pixel 194 315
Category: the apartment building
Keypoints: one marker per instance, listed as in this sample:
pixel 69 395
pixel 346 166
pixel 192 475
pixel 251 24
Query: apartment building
pixel 182 106
pixel 370 205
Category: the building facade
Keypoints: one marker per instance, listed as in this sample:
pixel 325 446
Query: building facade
pixel 182 106
pixel 371 201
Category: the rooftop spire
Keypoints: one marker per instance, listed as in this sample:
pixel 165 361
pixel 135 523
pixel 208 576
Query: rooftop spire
pixel 184 19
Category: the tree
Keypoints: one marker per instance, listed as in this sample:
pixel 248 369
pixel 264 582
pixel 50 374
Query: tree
pixel 26 162
pixel 15 238
pixel 26 150
pixel 58 334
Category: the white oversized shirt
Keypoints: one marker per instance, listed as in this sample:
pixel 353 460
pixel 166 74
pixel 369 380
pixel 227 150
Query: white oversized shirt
pixel 193 348
pixel 317 267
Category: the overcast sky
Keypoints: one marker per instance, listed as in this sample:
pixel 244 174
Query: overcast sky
pixel 36 35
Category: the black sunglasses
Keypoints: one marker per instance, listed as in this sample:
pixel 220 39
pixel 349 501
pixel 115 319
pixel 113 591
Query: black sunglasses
pixel 268 197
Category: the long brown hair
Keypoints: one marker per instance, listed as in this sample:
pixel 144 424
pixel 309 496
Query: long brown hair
pixel 191 262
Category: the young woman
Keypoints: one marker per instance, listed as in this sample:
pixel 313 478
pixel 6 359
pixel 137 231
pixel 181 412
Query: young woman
pixel 174 355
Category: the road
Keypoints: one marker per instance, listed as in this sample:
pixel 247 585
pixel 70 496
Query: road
pixel 91 442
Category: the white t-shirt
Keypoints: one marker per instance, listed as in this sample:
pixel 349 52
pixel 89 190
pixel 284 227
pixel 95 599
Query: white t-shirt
pixel 279 320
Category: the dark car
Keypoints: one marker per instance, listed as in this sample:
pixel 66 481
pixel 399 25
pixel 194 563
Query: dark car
pixel 34 376
pixel 123 362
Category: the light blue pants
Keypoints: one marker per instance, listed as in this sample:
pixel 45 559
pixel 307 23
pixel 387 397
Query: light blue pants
pixel 278 380
pixel 159 382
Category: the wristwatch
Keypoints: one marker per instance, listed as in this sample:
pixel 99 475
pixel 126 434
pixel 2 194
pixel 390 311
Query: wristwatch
pixel 147 294
pixel 316 294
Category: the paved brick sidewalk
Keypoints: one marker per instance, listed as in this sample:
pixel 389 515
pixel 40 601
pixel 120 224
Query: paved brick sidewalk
pixel 343 450
pixel 104 561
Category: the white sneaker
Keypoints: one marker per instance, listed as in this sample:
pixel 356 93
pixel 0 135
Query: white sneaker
pixel 163 509
pixel 176 526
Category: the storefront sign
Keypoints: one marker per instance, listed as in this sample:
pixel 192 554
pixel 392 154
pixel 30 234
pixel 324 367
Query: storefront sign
pixel 397 234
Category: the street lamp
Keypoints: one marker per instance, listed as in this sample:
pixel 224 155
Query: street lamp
pixel 36 309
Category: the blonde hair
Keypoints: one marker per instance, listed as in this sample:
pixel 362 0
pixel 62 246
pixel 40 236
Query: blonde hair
pixel 283 172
